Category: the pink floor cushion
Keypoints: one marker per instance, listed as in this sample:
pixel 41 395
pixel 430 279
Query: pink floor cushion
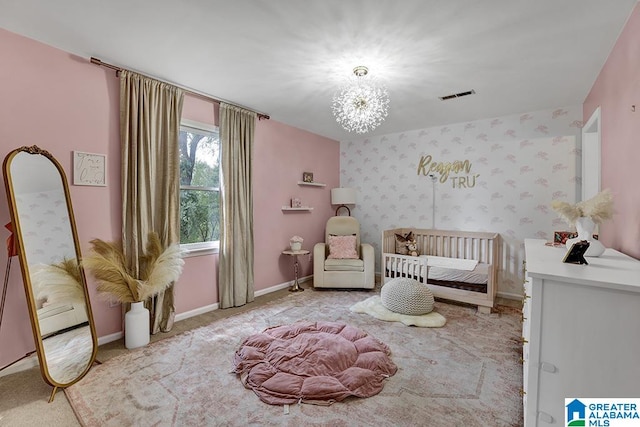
pixel 320 363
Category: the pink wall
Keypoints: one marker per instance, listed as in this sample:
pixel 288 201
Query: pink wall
pixel 59 102
pixel 63 103
pixel 616 89
pixel 282 153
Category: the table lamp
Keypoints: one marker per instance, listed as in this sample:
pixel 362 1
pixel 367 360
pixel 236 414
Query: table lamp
pixel 343 197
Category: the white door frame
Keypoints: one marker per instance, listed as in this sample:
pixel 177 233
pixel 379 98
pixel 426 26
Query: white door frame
pixel 591 154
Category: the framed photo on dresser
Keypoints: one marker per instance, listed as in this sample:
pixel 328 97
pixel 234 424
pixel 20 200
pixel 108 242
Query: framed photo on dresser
pixel 575 255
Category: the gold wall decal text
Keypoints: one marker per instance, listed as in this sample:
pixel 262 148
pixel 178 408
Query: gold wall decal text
pixel 468 181
pixel 427 167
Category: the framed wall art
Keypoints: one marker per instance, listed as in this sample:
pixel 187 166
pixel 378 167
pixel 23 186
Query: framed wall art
pixel 89 169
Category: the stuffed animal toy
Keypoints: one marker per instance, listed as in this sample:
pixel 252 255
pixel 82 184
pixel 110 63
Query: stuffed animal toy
pixel 412 248
pixel 401 242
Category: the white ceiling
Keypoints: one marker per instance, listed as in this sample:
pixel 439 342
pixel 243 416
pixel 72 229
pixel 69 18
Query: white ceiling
pixel 287 57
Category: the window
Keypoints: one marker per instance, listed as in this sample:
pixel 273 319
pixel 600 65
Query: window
pixel 199 186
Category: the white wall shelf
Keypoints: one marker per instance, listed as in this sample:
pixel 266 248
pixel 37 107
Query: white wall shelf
pixel 302 208
pixel 312 184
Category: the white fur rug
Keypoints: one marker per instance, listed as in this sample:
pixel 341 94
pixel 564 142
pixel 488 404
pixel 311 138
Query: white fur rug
pixel 373 307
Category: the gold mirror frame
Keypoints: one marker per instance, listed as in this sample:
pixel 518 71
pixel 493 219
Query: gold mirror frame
pixel 62 342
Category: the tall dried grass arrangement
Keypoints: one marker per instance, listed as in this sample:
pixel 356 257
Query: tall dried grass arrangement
pixel 158 269
pixel 59 282
pixel 599 208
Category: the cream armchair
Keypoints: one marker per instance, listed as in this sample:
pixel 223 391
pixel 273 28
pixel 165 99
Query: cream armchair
pixel 356 272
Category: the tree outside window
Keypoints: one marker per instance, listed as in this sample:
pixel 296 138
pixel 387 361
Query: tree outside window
pixel 199 185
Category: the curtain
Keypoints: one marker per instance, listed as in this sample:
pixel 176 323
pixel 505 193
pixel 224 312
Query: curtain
pixel 149 125
pixel 235 279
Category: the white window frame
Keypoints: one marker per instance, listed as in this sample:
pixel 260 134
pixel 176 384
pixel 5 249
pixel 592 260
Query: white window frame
pixel 201 248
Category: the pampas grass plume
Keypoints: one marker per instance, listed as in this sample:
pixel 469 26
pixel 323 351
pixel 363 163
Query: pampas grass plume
pixel 59 282
pixel 158 270
pixel 107 264
pixel 566 211
pixel 599 208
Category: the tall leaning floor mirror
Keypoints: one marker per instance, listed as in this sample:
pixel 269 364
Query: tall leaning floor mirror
pixel 49 253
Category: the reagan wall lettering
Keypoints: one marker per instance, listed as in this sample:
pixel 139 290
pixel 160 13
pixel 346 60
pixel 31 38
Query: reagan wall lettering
pixel 427 166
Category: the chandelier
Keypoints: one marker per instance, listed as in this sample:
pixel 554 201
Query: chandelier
pixel 361 105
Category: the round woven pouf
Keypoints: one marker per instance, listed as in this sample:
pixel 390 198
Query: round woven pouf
pixel 407 296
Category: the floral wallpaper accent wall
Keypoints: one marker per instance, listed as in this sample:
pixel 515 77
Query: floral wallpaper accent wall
pixel 495 175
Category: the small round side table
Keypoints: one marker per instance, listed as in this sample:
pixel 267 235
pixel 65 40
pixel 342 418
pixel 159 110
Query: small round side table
pixel 296 286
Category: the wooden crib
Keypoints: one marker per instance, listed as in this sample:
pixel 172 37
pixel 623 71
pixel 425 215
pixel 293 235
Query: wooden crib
pixel 476 287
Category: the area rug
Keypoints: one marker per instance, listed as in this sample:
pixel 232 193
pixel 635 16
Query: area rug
pixel 467 373
pixel 373 307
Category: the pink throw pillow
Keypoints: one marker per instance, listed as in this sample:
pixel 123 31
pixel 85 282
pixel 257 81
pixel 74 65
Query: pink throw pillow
pixel 342 247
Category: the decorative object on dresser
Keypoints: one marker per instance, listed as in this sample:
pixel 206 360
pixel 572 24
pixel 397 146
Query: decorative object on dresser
pixel 579 330
pixel 561 237
pixel 575 255
pixel 343 197
pixel 585 215
pixel 585 227
pixel 456 265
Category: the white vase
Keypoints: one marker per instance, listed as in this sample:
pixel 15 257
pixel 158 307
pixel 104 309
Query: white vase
pixel 585 227
pixel 295 246
pixel 136 326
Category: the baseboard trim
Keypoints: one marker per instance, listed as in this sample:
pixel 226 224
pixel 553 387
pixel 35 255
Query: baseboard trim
pixel 110 338
pixel 32 361
pixel 216 306
pixel 196 312
pixel 23 365
pixel 272 289
pixel 283 285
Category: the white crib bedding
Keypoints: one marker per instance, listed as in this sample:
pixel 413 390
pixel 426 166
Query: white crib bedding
pixel 478 276
pixel 450 263
pixel 463 273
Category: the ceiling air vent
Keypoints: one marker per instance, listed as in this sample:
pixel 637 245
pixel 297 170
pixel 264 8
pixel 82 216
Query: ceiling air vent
pixel 457 95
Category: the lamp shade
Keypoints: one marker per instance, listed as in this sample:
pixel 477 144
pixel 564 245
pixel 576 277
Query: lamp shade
pixel 343 196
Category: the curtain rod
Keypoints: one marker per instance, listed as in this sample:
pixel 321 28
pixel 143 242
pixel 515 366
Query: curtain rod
pixel 261 116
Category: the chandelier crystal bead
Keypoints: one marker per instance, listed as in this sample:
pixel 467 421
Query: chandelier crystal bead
pixel 362 104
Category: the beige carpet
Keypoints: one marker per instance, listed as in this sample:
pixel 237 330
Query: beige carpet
pixel 373 307
pixel 465 373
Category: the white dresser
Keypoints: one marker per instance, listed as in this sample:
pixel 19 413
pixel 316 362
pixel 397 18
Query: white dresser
pixel 581 330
